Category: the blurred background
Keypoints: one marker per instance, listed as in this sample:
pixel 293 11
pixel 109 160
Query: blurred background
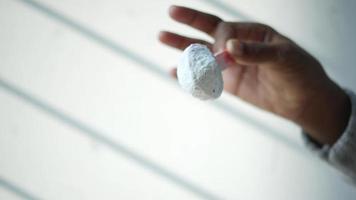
pixel 87 110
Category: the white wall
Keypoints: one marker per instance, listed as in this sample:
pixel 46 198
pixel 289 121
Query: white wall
pixel 87 111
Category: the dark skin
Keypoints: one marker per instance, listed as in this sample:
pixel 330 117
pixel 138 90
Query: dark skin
pixel 270 72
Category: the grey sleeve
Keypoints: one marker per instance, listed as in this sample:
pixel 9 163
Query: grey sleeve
pixel 342 154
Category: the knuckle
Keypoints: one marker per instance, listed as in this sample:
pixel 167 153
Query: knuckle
pixel 222 25
pixel 251 50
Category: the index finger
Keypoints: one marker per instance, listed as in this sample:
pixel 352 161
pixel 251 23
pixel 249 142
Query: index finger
pixel 196 19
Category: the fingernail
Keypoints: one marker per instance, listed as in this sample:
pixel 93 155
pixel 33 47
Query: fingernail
pixel 171 9
pixel 235 47
pixel 161 34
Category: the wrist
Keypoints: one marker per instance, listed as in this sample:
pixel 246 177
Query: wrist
pixel 327 114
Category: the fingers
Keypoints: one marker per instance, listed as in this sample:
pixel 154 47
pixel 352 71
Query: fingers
pixel 248 32
pixel 196 19
pixel 223 33
pixel 178 41
pixel 253 32
pixel 173 73
pixel 253 52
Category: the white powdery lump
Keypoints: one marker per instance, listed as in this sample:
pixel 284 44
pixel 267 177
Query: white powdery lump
pixel 199 73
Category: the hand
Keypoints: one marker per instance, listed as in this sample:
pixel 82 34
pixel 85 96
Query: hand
pixel 271 72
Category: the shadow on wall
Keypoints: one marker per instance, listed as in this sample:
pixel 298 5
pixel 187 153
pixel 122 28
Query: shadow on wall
pixel 15 189
pixel 156 68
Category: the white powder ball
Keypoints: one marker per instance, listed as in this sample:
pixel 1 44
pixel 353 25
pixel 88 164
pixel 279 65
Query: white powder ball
pixel 199 73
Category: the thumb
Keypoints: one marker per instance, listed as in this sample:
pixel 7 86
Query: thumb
pixel 252 52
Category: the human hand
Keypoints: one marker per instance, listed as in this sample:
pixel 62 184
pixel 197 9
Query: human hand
pixel 271 72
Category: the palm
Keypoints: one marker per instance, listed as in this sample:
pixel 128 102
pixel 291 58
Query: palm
pixel 251 83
